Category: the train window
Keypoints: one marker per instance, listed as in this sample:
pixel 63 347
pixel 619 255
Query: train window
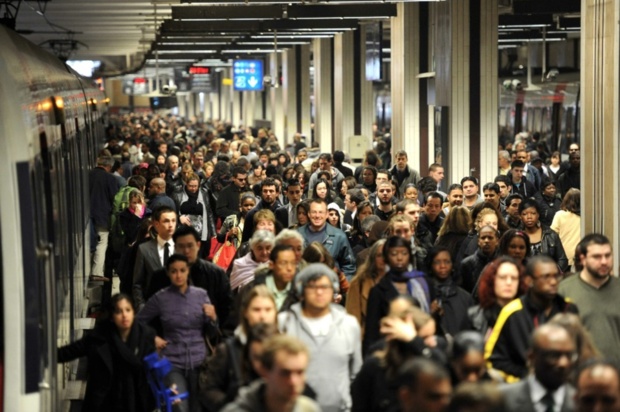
pixel 34 291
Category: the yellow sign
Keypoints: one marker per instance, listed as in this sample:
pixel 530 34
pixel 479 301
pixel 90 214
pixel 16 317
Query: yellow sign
pixel 226 81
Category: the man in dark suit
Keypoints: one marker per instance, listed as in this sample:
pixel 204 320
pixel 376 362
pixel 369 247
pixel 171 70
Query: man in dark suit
pixel 552 357
pixel 152 255
pixel 202 274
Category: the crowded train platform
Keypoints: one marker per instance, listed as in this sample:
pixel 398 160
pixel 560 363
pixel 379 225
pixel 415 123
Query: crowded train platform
pixel 291 279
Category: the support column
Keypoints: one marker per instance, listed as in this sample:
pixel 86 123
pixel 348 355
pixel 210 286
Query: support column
pixel 452 58
pixel 344 110
pixel 182 101
pixel 489 89
pixel 405 40
pixel 236 108
pixel 600 114
pixel 303 78
pixel 215 105
pixel 225 95
pixel 467 86
pixel 276 98
pixel 191 105
pixel 368 111
pixel 323 127
pixel 289 89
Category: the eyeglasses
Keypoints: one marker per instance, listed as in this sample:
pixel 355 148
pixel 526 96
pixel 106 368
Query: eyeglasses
pixel 553 356
pixel 319 288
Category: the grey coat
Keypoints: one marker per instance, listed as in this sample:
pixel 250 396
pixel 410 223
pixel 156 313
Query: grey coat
pixel 335 361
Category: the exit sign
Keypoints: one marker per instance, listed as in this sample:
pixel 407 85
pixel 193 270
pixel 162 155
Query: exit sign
pixel 248 75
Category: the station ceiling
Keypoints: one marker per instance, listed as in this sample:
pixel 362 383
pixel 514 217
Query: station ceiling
pixel 123 34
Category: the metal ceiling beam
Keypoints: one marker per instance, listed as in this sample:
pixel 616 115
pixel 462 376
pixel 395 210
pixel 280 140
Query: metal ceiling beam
pixel 171 27
pixel 248 44
pixel 546 6
pixel 284 11
pixel 569 22
pixel 243 2
pixel 529 34
pixel 520 20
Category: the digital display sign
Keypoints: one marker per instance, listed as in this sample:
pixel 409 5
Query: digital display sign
pixel 248 75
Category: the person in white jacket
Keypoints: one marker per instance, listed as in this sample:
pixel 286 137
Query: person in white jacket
pixel 333 337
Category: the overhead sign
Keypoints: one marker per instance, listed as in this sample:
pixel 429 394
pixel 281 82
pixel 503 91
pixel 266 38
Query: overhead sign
pixel 201 79
pixel 248 75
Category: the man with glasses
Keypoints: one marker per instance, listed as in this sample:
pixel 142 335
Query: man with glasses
pixel 228 199
pixel 507 347
pixel 596 292
pixel 552 358
pixel 332 336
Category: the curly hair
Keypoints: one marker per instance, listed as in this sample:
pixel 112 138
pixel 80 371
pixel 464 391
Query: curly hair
pixel 486 286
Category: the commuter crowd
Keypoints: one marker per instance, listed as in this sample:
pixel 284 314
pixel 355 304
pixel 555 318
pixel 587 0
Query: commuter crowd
pixel 286 279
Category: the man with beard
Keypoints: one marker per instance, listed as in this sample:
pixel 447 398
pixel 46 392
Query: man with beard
pixel 384 195
pixel 596 293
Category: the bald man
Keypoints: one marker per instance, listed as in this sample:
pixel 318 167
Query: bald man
pixel 551 359
pixel 598 388
pixel 157 193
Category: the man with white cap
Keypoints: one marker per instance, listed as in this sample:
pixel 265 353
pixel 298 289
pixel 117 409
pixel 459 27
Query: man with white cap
pixel 332 336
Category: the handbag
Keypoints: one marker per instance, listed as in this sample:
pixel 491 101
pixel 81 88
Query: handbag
pixel 225 254
pixel 214 247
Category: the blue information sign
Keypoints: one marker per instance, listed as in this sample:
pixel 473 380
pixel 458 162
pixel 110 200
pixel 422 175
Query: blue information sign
pixel 248 75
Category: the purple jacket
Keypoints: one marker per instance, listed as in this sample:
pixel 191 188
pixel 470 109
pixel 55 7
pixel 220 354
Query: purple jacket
pixel 183 321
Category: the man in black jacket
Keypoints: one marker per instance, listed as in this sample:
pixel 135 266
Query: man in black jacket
pixel 507 347
pixel 103 188
pixel 202 274
pixel 228 199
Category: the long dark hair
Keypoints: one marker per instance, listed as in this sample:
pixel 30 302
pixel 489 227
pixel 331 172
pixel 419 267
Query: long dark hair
pixel 328 195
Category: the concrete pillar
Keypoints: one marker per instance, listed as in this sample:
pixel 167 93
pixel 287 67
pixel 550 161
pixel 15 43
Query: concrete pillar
pixel 191 105
pixel 289 94
pixel 368 111
pixel 215 106
pixel 303 76
pixel 236 108
pixel 600 114
pixel 489 89
pixel 182 102
pixel 276 98
pixel 344 109
pixel 323 127
pixel 467 86
pixel 405 41
pixel 225 98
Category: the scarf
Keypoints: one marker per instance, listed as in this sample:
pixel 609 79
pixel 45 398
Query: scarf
pixel 243 271
pixel 417 286
pixel 128 370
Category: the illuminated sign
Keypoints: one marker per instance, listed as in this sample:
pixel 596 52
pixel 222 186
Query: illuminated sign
pixel 248 75
pixel 201 79
pixel 199 70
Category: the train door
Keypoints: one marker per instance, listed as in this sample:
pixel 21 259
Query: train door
pixel 38 281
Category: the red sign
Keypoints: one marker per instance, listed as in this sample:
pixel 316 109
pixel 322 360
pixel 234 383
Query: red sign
pixel 139 80
pixel 199 70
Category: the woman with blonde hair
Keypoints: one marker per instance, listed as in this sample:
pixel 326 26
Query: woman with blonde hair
pixel 567 223
pixel 222 375
pixel 368 275
pixel 586 349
